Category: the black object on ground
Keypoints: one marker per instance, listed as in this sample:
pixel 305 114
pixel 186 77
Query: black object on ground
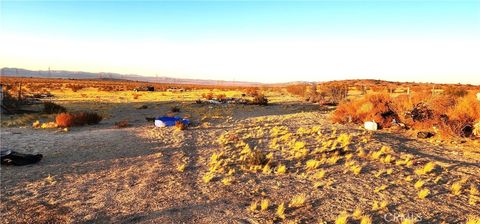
pixel 9 157
pixel 424 134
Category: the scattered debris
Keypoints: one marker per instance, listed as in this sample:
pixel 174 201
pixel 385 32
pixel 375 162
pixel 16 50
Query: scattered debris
pixel 226 100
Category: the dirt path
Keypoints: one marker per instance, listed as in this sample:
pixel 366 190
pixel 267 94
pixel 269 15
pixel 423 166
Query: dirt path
pixel 101 174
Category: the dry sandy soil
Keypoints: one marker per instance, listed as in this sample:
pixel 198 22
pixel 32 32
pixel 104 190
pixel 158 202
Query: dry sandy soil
pixel 103 174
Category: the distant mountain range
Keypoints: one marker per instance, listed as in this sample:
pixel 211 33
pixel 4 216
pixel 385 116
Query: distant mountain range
pixel 19 72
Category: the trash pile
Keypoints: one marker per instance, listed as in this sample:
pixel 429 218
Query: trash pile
pixel 230 100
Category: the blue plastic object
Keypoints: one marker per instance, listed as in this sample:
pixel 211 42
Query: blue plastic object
pixel 169 121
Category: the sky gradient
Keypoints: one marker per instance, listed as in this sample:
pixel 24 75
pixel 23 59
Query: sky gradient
pixel 266 41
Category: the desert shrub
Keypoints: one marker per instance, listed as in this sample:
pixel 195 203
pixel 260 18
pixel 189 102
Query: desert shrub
pixel 336 93
pixel 467 109
pixel 220 96
pixel 122 124
pixel 377 107
pixel 53 108
pixel 207 96
pixel 75 88
pixel 260 100
pixel 252 91
pixel 298 90
pixel 455 91
pixel 65 120
pixel 255 158
pixel 314 96
pixel 79 119
pixel 87 118
pixel 451 116
pixel 108 88
pixel 441 104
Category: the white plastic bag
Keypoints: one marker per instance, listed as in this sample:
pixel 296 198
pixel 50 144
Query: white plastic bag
pixel 371 125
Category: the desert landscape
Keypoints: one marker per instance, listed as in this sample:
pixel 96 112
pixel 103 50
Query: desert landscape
pixel 300 157
pixel 240 112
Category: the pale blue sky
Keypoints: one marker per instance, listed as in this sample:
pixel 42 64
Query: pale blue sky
pixel 268 41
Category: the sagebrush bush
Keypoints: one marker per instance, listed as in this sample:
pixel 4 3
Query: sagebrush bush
pixel 373 107
pixel 467 109
pixel 53 108
pixel 122 124
pixel 88 118
pixel 260 99
pixel 65 120
pixel 79 119
pixel 207 96
pixel 455 91
pixel 446 114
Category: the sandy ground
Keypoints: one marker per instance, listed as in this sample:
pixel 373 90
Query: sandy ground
pixel 102 174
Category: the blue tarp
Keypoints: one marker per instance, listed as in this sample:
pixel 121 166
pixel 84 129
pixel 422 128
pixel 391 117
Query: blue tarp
pixel 169 121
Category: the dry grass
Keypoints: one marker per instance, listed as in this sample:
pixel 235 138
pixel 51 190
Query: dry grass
pixel 423 193
pixel 297 201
